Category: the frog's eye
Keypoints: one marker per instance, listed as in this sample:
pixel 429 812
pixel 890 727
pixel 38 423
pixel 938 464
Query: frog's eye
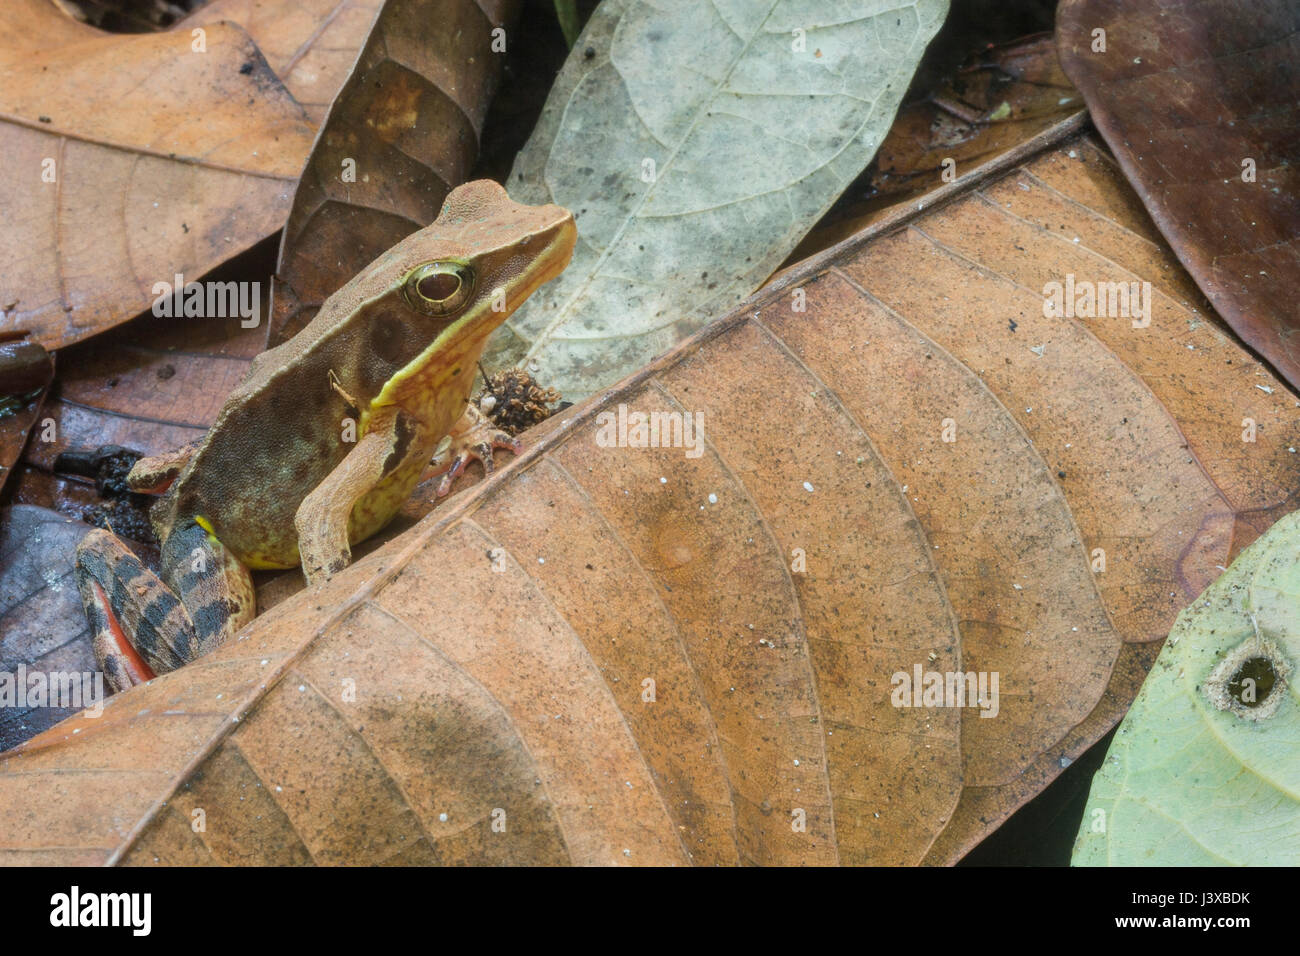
pixel 439 288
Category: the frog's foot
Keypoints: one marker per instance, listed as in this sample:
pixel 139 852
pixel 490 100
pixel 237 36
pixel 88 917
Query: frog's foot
pixel 473 438
pixel 154 475
pixel 140 627
pixel 123 599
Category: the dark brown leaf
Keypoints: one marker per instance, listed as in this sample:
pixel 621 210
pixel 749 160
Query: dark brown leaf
pixel 402 133
pixel 1192 95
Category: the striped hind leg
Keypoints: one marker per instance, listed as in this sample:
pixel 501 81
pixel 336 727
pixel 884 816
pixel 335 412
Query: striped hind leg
pixel 142 626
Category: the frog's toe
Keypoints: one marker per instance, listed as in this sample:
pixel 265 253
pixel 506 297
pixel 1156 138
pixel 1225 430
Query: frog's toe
pixel 477 444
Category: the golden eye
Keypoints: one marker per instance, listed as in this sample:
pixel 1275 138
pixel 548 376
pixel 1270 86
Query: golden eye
pixel 439 288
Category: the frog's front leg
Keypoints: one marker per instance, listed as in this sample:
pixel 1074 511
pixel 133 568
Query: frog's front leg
pixel 389 444
pixel 473 437
pixel 142 626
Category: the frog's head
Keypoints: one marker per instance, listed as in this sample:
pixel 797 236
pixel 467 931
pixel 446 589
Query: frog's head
pixel 482 257
pixel 462 276
pixel 428 305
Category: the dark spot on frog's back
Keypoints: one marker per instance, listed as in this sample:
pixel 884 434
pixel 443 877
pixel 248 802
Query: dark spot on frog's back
pixel 301 474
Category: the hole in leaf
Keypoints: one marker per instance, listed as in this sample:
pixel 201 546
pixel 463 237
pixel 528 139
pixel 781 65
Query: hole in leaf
pixel 1253 682
pixel 1249 680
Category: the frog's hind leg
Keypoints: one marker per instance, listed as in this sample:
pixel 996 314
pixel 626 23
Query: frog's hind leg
pixel 213 584
pixel 142 626
pixel 129 610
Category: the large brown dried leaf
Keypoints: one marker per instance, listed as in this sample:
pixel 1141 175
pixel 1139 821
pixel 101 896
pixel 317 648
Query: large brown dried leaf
pixel 405 130
pixel 310 44
pixel 166 161
pixel 1185 93
pixel 441 685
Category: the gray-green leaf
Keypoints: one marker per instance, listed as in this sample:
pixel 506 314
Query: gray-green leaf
pixel 1205 768
pixel 697 142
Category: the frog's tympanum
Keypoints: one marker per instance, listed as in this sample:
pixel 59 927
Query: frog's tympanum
pixel 326 437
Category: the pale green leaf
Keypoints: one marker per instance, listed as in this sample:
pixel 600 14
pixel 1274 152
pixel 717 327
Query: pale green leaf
pixel 697 142
pixel 1198 773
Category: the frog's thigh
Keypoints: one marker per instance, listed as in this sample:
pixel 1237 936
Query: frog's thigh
pixel 322 518
pixel 142 626
pixel 214 586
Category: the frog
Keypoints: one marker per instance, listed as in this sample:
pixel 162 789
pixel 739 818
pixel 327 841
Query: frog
pixel 325 438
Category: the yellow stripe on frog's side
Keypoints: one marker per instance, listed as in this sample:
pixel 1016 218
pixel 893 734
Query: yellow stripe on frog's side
pixel 206 525
pixel 255 562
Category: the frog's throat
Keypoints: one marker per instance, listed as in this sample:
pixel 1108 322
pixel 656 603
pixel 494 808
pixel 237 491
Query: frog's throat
pixel 428 380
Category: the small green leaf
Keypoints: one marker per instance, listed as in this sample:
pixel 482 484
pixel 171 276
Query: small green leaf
pixel 1205 768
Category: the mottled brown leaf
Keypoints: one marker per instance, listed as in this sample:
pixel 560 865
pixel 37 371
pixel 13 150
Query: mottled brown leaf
pixel 1200 102
pixel 478 690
